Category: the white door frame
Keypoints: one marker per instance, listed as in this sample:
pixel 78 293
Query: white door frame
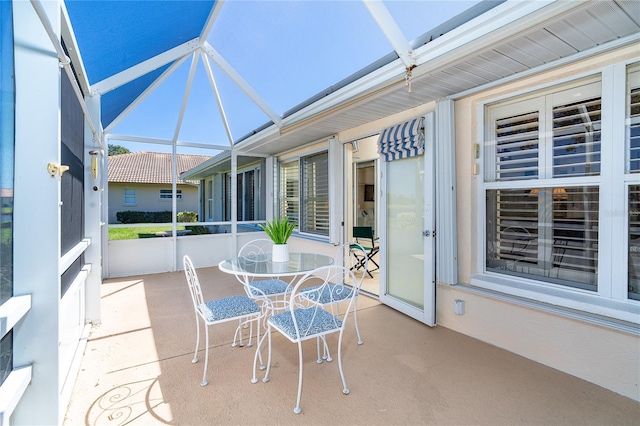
pixel 426 315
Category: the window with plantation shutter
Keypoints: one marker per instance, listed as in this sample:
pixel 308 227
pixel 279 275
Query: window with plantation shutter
pixel 515 154
pixel 633 120
pixel 304 193
pixel 249 195
pixel 576 138
pixel 632 160
pixel 536 227
pixel 315 194
pixel 240 197
pixel 634 242
pixel 290 191
pixel 227 196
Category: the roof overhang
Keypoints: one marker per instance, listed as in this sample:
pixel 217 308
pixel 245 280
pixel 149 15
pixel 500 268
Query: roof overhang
pixel 513 39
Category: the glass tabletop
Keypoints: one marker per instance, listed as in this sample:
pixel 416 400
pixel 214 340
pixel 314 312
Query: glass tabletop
pixel 261 265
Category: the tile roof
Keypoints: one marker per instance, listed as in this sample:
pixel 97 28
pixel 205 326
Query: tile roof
pixel 150 167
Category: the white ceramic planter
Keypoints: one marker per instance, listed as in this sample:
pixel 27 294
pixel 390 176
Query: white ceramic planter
pixel 280 253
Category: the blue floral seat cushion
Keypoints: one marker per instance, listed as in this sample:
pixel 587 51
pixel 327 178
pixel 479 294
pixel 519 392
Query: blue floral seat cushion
pixel 269 287
pixel 329 293
pixel 311 321
pixel 228 308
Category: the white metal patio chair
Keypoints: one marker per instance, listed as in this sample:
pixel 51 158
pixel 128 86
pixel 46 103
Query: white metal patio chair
pixel 264 291
pixel 352 254
pixel 303 321
pixel 215 311
pixel 260 288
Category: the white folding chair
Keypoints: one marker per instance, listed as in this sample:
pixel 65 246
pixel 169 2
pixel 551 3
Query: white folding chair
pixel 303 321
pixel 215 311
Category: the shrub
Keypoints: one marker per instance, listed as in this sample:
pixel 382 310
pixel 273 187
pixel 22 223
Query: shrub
pixel 187 217
pixel 131 216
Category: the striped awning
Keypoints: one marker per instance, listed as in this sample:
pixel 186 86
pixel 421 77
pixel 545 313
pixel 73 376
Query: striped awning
pixel 402 140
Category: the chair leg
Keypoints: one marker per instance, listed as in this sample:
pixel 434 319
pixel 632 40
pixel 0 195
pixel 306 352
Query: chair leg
pixel 345 389
pixel 258 356
pixel 327 353
pixel 206 357
pixel 373 261
pixel 319 361
pixel 297 408
pixel 236 341
pixel 195 354
pixel 355 320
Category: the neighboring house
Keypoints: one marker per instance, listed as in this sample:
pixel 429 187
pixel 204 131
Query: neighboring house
pixel 141 181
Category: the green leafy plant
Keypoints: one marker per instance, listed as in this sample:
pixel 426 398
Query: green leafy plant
pixel 279 230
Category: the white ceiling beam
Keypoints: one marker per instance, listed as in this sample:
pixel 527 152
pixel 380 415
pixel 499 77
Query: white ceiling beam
pixel 391 30
pixel 144 94
pixel 212 82
pixel 69 37
pixel 130 74
pixel 185 98
pixel 160 141
pixel 210 20
pixel 240 82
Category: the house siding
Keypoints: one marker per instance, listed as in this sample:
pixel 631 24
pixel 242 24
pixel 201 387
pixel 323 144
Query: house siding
pixel 148 199
pixel 573 346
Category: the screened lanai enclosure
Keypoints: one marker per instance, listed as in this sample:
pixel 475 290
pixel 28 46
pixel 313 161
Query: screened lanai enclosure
pixel 489 149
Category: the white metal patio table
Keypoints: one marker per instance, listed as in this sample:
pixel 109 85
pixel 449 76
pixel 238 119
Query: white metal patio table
pixel 261 265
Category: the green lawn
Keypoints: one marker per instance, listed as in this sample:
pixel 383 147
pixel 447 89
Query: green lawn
pixel 134 233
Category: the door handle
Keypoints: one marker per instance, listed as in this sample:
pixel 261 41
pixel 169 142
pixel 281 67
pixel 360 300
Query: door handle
pixel 426 233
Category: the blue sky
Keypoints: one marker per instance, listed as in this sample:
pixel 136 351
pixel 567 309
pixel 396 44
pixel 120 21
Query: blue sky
pixel 287 51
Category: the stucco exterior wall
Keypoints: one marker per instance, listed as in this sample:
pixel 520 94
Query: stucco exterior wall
pixel 601 355
pixel 148 199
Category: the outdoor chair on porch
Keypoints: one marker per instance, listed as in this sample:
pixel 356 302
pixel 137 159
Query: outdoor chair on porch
pixel 241 308
pixel 272 288
pixel 303 321
pixel 365 238
pixel 267 292
pixel 334 294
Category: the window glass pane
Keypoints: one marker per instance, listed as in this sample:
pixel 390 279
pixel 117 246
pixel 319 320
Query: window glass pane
pixel 6 356
pixel 227 197
pixel 633 119
pixel 517 147
pixel 315 194
pixel 289 191
pixel 7 160
pixel 240 197
pixel 167 194
pixel 544 232
pixel 130 197
pixel 634 242
pixel 576 138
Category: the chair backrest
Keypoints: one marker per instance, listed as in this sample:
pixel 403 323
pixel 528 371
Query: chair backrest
pixel 193 282
pixel 258 250
pixel 335 281
pixel 256 247
pixel 365 233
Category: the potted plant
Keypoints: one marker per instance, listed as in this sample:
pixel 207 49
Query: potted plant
pixel 279 230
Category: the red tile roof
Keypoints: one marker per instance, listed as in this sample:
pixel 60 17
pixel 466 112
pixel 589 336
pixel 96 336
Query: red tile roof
pixel 150 167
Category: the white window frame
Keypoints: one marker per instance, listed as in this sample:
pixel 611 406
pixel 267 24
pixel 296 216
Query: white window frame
pixel 163 193
pixel 611 299
pixel 257 194
pixel 299 159
pixel 133 194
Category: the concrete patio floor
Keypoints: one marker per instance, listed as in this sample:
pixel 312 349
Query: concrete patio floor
pixel 137 370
